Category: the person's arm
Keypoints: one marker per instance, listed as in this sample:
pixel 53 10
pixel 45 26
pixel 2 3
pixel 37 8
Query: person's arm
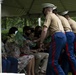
pixel 34 51
pixel 47 23
pixel 37 40
pixel 43 34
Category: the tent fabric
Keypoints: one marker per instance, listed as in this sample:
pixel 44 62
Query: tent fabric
pixel 33 7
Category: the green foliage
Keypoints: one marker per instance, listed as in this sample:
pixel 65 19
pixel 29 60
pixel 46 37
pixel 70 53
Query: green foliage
pixel 20 22
pixel 74 18
pixel 4 33
pixel 14 22
pixel 9 22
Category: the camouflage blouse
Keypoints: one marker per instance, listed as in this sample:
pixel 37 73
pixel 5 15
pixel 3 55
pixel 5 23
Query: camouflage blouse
pixel 12 49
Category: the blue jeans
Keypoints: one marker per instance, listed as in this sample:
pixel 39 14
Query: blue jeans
pixel 14 64
pixel 5 65
pixel 10 65
pixel 57 44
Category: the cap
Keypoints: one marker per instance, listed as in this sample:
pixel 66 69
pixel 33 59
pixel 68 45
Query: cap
pixel 65 12
pixel 55 7
pixel 48 5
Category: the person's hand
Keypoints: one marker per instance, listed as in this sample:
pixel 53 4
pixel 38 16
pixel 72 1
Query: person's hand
pixel 34 40
pixel 41 45
pixel 40 49
pixel 34 51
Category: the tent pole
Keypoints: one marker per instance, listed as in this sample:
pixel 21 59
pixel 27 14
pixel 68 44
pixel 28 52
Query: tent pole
pixel 39 21
pixel 0 40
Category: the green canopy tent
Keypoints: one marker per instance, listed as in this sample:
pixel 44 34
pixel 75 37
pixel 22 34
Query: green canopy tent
pixel 33 7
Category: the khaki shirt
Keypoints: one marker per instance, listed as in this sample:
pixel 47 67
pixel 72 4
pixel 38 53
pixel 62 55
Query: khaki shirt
pixel 53 23
pixel 72 24
pixel 65 23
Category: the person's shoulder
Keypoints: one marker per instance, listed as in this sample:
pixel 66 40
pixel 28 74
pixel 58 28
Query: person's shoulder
pixel 72 20
pixel 60 16
pixel 48 15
